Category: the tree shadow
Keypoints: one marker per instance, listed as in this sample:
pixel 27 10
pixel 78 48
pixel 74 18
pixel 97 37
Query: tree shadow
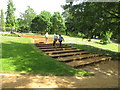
pixel 24 57
pixel 99 43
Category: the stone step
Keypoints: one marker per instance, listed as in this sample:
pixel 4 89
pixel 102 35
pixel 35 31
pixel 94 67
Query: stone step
pixel 62 51
pixel 76 64
pixel 38 43
pixel 42 44
pixel 71 56
pixel 51 47
pixel 56 49
pixel 77 57
pixel 68 54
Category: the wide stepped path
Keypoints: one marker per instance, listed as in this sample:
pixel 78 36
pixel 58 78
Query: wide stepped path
pixel 66 54
pixel 71 56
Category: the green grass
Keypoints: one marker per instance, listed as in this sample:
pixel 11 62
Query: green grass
pixel 20 55
pixel 94 46
pixel 9 35
pixel 34 34
pixel 100 51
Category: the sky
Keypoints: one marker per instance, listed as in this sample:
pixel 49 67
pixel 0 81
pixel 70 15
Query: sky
pixel 38 5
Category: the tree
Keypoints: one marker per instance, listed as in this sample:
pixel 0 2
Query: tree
pixel 26 18
pixel 41 23
pixel 47 17
pixel 38 24
pixel 92 18
pixel 2 21
pixel 10 18
pixel 58 23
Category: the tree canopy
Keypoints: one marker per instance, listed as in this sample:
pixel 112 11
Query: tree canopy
pixel 93 19
pixel 41 23
pixel 10 17
pixel 45 22
pixel 2 22
pixel 26 18
pixel 58 23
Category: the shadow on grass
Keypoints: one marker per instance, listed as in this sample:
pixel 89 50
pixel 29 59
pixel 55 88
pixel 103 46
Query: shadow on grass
pixel 24 57
pixel 99 43
pixel 92 49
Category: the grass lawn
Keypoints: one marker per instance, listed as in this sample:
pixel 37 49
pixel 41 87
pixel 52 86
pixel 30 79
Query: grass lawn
pixel 94 46
pixel 35 34
pixel 20 55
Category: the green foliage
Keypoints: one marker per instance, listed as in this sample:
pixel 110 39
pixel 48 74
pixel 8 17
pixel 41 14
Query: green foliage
pixel 10 18
pixel 45 22
pixel 38 24
pixel 21 26
pixel 106 37
pixel 92 18
pixel 2 22
pixel 58 23
pixel 26 19
pixel 41 23
pixel 118 37
pixel 14 35
pixel 46 16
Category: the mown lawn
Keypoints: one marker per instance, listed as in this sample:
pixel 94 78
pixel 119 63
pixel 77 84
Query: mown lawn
pixel 20 55
pixel 94 46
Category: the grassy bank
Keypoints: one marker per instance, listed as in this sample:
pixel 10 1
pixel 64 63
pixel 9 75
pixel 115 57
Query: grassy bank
pixel 20 55
pixel 94 46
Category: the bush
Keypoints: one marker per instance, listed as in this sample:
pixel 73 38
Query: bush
pixel 9 35
pixel 106 37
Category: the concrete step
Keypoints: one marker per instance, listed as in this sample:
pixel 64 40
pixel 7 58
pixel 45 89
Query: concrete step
pixel 51 47
pixel 62 51
pixel 68 54
pixel 71 56
pixel 56 49
pixel 42 44
pixel 76 64
pixel 77 57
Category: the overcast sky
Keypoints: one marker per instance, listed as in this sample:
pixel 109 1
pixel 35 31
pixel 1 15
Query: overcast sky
pixel 37 5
